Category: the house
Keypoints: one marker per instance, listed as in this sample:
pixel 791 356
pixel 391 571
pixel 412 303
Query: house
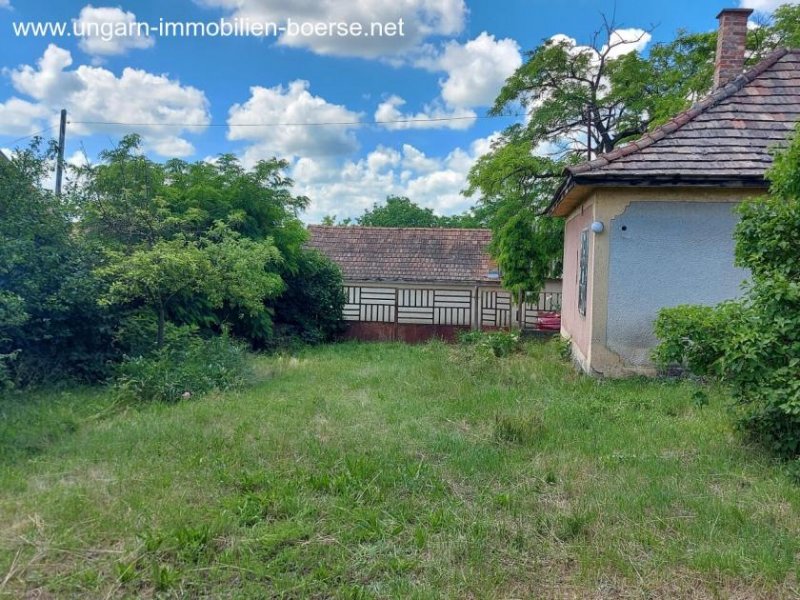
pixel 650 225
pixel 412 284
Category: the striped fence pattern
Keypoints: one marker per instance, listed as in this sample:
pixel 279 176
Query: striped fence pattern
pixel 492 308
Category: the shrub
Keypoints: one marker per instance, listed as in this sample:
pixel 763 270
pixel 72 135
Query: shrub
pixel 310 310
pixel 694 337
pixel 754 346
pixel 498 343
pixel 185 368
pixel 49 318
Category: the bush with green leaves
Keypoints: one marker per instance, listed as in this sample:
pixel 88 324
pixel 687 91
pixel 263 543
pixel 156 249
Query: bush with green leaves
pixel 497 343
pixel 187 366
pixel 695 337
pixel 310 310
pixel 51 327
pixel 754 345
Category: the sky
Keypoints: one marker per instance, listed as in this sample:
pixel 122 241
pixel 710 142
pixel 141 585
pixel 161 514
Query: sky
pixel 356 117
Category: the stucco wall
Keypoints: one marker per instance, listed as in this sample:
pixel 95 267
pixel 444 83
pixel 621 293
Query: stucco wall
pixel 663 254
pixel 574 325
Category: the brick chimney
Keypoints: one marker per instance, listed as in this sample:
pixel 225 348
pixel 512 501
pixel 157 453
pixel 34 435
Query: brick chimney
pixel 731 41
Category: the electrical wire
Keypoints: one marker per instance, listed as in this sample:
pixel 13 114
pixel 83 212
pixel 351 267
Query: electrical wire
pixel 311 124
pixel 25 137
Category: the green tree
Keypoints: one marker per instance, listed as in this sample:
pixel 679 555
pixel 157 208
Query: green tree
pixel 310 310
pixel 398 211
pixel 236 229
pixel 226 270
pixel 526 245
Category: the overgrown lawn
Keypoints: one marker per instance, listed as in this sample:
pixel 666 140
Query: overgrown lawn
pixel 361 471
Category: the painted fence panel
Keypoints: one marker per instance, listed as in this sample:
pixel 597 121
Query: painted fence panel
pixel 496 308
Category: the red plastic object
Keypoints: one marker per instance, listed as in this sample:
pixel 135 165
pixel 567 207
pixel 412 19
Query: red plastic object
pixel 549 321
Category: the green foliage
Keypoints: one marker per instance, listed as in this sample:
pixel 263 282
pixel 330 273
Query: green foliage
pixel 310 311
pixel 49 321
pixel 563 347
pixel 784 31
pixel 187 367
pixel 755 346
pixel 526 245
pixel 496 343
pixel 672 76
pixel 695 337
pixel 399 211
pixel 134 246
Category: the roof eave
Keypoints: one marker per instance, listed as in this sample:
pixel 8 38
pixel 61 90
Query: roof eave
pixel 575 188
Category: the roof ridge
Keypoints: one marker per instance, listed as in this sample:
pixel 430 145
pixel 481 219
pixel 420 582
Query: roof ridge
pixel 684 117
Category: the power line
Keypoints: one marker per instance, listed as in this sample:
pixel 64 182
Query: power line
pixel 291 124
pixel 310 124
pixel 25 137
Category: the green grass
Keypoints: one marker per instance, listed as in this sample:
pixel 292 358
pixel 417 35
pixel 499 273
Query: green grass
pixel 359 471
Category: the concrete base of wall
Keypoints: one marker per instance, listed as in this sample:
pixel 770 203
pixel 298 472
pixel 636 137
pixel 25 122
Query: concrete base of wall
pixel 604 363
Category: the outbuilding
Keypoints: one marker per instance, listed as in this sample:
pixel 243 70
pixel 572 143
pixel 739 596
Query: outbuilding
pixel 650 225
pixel 413 284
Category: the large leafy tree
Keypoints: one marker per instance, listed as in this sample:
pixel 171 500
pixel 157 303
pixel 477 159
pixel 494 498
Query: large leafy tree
pixel 578 102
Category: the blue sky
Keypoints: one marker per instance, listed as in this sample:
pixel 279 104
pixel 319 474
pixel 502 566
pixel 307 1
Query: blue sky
pixel 192 94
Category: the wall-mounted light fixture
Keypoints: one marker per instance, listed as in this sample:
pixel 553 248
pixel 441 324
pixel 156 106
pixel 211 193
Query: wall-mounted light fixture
pixel 598 227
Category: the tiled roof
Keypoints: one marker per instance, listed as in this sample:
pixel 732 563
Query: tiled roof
pixel 407 253
pixel 727 136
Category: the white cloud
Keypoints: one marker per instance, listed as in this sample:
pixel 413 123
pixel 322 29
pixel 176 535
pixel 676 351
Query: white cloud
pixel 291 106
pixel 765 6
pixel 433 116
pixel 19 117
pixel 421 19
pixel 475 70
pixel 109 31
pixel 5 4
pixel 348 188
pixel 96 95
pixel 415 160
pixel 625 41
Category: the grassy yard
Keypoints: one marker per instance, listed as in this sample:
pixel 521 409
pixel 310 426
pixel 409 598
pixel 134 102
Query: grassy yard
pixel 361 471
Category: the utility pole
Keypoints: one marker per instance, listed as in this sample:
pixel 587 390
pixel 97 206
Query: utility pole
pixel 62 134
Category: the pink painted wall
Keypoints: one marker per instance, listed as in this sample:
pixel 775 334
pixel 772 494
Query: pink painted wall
pixel 575 325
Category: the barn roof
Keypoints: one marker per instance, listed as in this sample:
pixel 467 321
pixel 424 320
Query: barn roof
pixel 725 139
pixel 407 254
